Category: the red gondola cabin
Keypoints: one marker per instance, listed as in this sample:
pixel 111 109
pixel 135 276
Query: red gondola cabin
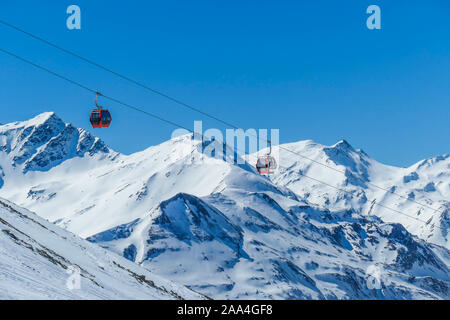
pixel 100 118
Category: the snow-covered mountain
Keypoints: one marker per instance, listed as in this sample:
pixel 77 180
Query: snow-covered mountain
pixel 41 261
pixel 224 230
pixel 46 141
pixel 419 196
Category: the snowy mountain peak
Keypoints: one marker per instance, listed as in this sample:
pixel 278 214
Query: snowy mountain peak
pixel 434 161
pixel 46 118
pixel 45 141
pixel 343 145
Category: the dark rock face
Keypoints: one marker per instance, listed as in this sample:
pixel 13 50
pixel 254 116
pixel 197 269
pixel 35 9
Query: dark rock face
pixel 413 176
pixel 120 232
pixel 411 251
pixel 130 252
pixel 190 219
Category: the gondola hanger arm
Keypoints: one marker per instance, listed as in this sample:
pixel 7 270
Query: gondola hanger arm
pixel 97 94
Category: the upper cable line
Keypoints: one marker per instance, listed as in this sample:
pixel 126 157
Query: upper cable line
pixel 120 75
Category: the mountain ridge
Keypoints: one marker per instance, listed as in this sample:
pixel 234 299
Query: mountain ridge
pixel 227 232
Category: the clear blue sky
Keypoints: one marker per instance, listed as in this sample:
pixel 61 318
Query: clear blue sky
pixel 310 68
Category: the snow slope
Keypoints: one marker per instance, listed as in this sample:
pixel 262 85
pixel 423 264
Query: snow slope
pixel 36 257
pixel 227 232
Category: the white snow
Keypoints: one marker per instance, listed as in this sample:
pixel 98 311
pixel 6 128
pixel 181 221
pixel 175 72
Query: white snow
pixel 36 256
pixel 426 183
pixel 228 232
